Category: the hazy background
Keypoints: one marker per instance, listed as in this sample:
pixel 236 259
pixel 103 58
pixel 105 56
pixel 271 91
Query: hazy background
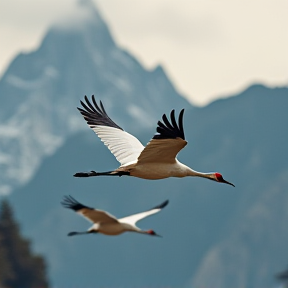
pixel 209 48
pixel 215 236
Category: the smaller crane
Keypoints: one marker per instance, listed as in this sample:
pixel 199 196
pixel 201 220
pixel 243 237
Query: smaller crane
pixel 107 224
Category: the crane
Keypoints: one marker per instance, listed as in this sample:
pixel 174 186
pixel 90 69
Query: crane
pixel 155 161
pixel 107 224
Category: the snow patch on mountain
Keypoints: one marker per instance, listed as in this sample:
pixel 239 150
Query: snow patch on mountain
pixel 138 113
pixel 22 84
pixel 123 58
pixel 24 140
pixel 51 72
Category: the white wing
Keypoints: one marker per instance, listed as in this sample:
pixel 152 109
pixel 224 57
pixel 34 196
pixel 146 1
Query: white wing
pixel 124 146
pixel 133 219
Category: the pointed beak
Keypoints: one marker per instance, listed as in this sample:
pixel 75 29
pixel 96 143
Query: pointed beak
pixel 153 234
pixel 224 181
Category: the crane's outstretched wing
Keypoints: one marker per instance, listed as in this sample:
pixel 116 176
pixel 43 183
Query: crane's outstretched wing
pixel 124 146
pixel 166 144
pixel 91 214
pixel 133 219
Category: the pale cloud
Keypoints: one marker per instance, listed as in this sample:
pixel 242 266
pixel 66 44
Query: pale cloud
pixel 209 48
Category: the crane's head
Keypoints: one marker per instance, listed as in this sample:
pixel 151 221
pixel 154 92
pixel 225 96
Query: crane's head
pixel 152 233
pixel 219 178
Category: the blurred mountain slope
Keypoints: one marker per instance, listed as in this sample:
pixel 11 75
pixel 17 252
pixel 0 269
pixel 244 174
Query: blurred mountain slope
pixel 243 137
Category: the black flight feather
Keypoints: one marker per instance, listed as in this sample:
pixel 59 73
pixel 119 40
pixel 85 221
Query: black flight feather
pixel 170 130
pixel 166 122
pixel 172 116
pixel 162 205
pixel 71 203
pixel 95 115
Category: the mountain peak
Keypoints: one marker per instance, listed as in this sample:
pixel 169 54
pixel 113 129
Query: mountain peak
pixel 81 29
pixel 86 3
pixel 81 14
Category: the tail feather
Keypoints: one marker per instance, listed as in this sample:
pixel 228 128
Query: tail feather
pixel 109 173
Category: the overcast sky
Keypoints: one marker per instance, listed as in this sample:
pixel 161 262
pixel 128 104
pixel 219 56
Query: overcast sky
pixel 209 48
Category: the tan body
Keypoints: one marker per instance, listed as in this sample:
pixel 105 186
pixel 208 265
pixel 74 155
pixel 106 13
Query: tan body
pixel 158 170
pixel 112 229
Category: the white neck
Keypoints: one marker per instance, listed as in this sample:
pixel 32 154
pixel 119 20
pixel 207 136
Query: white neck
pixel 187 171
pixel 132 228
pixel 138 230
pixel 192 172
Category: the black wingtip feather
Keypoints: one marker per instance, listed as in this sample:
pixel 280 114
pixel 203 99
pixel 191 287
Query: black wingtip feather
pixel 162 205
pixel 170 130
pixel 96 115
pixel 172 116
pixel 180 120
pixel 71 203
pixel 166 122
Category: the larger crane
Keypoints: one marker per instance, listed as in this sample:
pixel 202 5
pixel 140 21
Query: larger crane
pixel 155 161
